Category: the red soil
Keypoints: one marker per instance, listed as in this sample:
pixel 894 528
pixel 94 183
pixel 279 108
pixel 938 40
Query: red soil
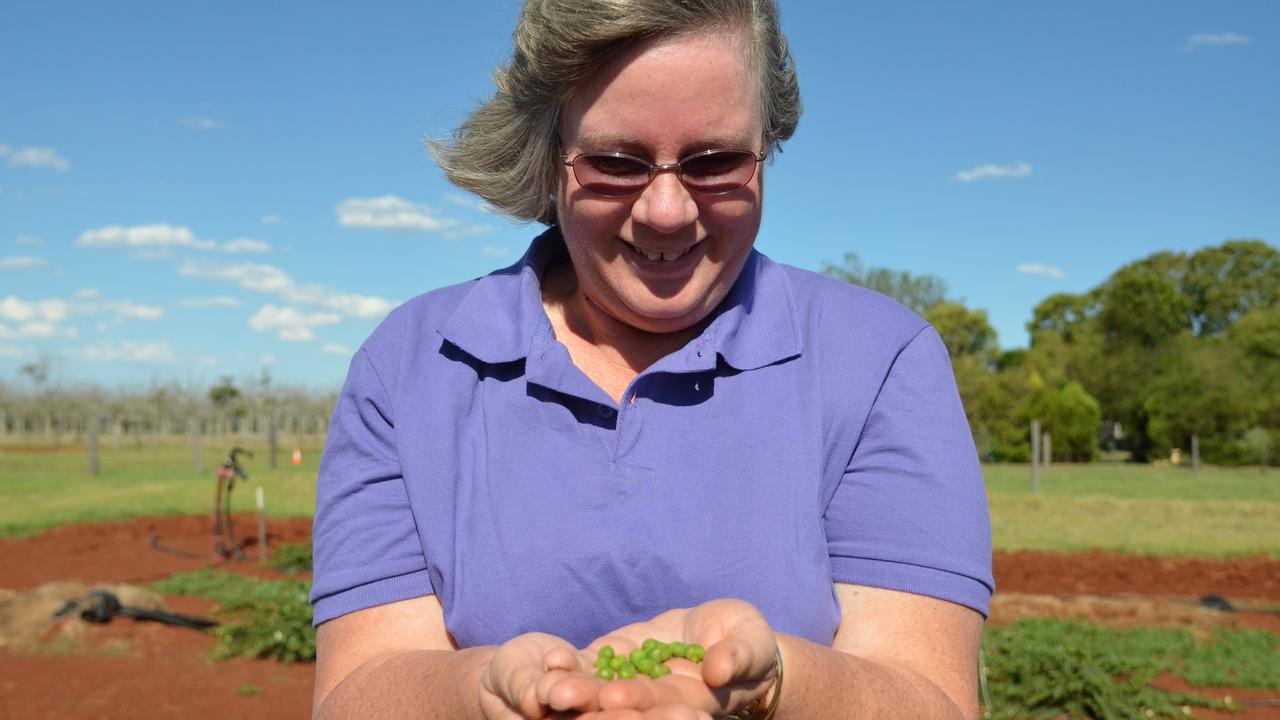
pixel 144 671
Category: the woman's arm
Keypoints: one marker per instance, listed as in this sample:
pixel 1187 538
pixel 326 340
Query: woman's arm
pixel 398 661
pixel 395 660
pixel 896 654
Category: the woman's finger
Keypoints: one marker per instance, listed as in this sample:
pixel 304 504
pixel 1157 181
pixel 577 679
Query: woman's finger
pixel 575 691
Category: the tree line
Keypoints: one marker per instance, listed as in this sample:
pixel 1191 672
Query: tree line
pixel 38 408
pixel 1168 347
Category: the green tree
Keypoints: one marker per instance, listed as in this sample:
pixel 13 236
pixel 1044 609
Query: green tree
pixel 918 292
pixel 1063 314
pixel 1072 416
pixel 1198 389
pixel 1226 282
pixel 965 332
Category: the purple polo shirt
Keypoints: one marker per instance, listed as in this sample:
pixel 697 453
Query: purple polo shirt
pixel 811 435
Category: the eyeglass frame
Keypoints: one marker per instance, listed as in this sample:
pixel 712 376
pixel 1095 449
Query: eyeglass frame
pixel 655 168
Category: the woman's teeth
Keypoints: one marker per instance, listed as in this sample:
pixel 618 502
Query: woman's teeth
pixel 656 256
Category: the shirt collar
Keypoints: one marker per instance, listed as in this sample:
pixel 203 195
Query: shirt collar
pixel 501 318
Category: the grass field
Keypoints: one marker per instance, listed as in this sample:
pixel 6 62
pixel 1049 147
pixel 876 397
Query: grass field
pixel 1218 512
pixel 51 487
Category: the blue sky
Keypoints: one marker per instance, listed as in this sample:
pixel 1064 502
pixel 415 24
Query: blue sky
pixel 198 189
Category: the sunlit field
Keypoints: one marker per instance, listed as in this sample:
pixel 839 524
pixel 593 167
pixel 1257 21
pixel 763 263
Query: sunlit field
pixel 1219 512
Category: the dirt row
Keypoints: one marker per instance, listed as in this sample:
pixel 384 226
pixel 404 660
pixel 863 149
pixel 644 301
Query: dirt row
pixel 145 671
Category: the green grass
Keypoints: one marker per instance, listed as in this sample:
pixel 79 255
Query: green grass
pixel 1128 480
pixel 1221 512
pixel 39 490
pixel 259 618
pixel 1217 528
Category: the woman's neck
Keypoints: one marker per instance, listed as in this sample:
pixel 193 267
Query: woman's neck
pixel 609 351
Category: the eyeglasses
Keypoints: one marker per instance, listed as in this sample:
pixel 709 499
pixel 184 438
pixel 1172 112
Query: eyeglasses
pixel 711 172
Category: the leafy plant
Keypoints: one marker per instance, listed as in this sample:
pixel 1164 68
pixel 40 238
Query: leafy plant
pixel 292 557
pixel 1047 668
pixel 260 618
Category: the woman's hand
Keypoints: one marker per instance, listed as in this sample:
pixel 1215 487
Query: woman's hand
pixel 737 669
pixel 519 681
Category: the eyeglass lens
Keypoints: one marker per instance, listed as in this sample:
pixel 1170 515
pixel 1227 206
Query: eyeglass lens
pixel 710 173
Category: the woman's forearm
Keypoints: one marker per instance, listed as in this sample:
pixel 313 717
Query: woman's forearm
pixel 821 682
pixel 426 684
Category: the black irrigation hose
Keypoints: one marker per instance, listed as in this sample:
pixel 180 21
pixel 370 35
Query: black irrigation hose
pixel 155 544
pixel 100 606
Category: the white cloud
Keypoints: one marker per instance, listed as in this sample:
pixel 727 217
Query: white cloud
pixel 333 348
pixel 494 251
pixel 986 172
pixel 1040 269
pixel 144 236
pixel 390 212
pixel 196 122
pixel 15 309
pixel 52 312
pixel 129 351
pixel 9 351
pixel 271 220
pixel 37 330
pixel 289 323
pixel 35 157
pixel 269 279
pixel 267 359
pixel 89 304
pixel 27 331
pixel 126 309
pixel 30 240
pixel 21 262
pixel 207 360
pixel 1199 40
pixel 245 245
pixel 220 301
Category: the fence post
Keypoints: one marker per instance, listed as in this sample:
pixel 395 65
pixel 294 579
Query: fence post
pixel 1195 454
pixel 197 458
pixel 271 436
pixel 1035 456
pixel 95 425
pixel 262 526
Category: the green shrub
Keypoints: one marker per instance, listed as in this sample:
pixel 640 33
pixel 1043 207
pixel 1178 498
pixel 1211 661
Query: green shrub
pixel 292 557
pixel 1072 416
pixel 259 618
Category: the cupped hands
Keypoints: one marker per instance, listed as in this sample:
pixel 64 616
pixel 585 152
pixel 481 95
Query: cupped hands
pixel 536 676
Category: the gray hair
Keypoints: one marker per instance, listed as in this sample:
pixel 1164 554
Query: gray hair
pixel 506 151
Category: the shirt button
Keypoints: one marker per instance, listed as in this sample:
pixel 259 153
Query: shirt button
pixel 604 411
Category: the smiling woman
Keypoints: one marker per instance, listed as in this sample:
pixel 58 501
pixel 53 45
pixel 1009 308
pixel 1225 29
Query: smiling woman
pixel 646 428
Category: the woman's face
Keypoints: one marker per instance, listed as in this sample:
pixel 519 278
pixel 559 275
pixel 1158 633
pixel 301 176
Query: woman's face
pixel 662 102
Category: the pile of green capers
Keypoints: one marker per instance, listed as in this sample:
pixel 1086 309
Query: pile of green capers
pixel 648 659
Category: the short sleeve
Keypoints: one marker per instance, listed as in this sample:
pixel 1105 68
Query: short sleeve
pixel 366 546
pixel 910 512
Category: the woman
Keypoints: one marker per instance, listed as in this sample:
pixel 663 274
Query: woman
pixel 646 428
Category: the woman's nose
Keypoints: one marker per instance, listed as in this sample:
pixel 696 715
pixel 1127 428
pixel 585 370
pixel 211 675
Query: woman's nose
pixel 666 205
